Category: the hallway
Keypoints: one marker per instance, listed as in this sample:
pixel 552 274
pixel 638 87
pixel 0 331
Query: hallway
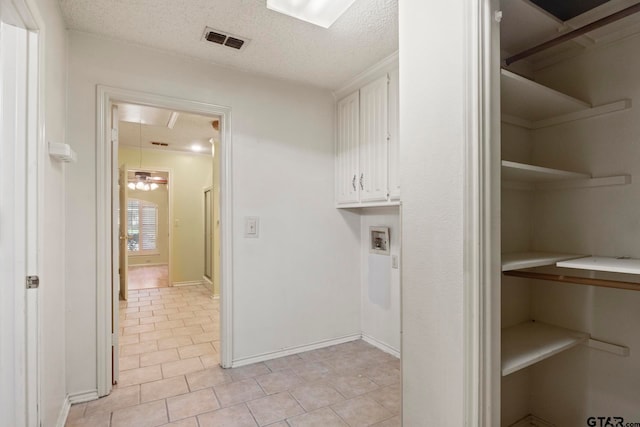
pixel 169 344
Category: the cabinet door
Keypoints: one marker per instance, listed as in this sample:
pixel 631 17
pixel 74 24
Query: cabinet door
pixel 394 135
pixel 347 142
pixel 374 128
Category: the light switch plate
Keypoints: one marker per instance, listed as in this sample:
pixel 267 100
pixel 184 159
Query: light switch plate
pixel 251 227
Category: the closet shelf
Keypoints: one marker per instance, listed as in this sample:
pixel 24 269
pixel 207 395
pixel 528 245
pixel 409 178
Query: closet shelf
pixel 514 171
pixel 519 260
pixel 522 176
pixel 531 342
pixel 607 264
pixel 528 100
pixel 531 105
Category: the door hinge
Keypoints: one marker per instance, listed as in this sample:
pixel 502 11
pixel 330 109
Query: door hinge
pixel 113 340
pixel 33 282
pixel 114 135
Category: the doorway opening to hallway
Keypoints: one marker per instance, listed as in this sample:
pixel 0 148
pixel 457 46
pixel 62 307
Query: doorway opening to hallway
pixel 166 244
pixel 169 320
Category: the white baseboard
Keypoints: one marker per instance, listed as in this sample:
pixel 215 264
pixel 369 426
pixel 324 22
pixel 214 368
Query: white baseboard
pixel 189 283
pixel 380 345
pixel 532 421
pixel 84 396
pixel 64 413
pixel 150 264
pixel 293 350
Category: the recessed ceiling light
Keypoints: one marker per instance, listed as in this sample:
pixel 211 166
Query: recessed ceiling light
pixel 319 12
pixel 196 147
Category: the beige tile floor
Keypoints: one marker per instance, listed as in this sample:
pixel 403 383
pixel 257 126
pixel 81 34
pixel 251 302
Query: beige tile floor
pixel 147 276
pixel 170 376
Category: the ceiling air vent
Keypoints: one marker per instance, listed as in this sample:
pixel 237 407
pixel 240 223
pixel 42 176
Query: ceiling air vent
pixel 214 37
pixel 234 42
pixel 159 144
pixel 224 38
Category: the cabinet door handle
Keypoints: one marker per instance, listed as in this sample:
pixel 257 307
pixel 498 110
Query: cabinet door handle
pixel 353 182
pixel 361 181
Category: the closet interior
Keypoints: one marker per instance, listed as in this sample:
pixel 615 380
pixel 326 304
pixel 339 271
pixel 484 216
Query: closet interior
pixel 570 212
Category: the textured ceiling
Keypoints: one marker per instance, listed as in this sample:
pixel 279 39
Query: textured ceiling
pixel 280 46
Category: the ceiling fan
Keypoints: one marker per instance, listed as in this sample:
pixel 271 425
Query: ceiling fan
pixel 144 181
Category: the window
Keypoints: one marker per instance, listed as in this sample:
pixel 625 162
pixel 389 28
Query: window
pixel 142 226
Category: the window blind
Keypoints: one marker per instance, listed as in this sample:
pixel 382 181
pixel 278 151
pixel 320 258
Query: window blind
pixel 142 225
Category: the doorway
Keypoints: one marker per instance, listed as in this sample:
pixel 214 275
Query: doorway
pixel 146 228
pixel 144 159
pixel 165 158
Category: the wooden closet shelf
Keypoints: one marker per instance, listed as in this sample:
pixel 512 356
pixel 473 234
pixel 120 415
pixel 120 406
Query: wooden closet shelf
pixel 603 283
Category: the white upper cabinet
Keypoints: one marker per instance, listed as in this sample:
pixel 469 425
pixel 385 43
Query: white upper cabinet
pixel 347 150
pixel 394 135
pixel 374 134
pixel 367 145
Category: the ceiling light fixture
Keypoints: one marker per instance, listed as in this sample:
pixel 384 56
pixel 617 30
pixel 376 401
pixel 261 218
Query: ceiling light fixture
pixel 196 147
pixel 318 12
pixel 173 118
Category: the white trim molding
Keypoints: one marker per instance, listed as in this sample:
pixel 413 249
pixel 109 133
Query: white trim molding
pixel 106 96
pixel 481 215
pixel 188 283
pixel 72 399
pixel 387 64
pixel 381 345
pixel 294 350
pixel 64 412
pixel 83 396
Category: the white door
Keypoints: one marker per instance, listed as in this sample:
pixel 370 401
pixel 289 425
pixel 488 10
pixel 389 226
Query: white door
pixel 347 141
pixel 124 234
pixel 115 245
pixel 18 222
pixel 394 135
pixel 374 134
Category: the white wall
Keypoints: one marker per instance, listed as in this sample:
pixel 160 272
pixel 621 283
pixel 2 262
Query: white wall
pixel 296 284
pixel 380 317
pixel 431 160
pixel 53 290
pixel 601 221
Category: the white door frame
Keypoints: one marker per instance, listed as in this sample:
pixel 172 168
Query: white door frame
pixel 482 215
pixel 26 215
pixel 106 96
